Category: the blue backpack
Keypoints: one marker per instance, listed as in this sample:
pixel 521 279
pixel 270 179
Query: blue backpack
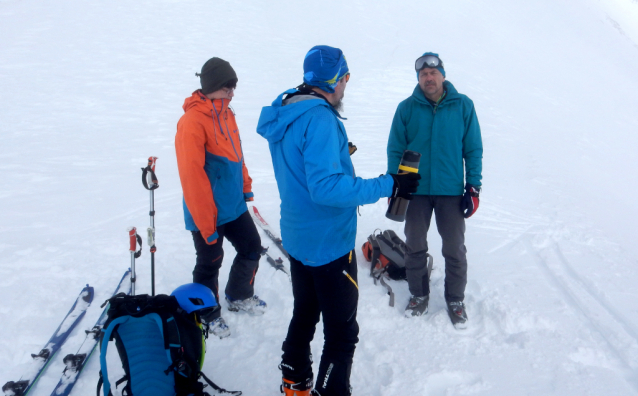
pixel 161 343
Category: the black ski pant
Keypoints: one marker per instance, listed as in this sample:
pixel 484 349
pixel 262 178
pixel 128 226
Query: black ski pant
pixel 330 290
pixel 244 237
pixel 451 226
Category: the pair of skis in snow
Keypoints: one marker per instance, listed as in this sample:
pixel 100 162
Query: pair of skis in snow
pixel 74 362
pixel 278 263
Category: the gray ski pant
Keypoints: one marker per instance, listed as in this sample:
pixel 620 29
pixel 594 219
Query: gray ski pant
pixel 451 226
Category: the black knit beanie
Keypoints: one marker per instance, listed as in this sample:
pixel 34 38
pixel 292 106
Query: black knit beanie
pixel 216 74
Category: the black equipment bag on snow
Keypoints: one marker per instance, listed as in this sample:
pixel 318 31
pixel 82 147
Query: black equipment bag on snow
pixel 161 347
pixel 386 253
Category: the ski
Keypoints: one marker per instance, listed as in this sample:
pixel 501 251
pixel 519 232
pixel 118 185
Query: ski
pixel 42 359
pixel 267 229
pixel 277 264
pixel 75 362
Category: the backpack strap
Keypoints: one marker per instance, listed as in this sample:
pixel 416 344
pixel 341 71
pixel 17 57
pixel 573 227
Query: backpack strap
pixel 99 383
pixel 219 390
pixel 389 289
pixel 397 243
pixel 376 251
pixel 173 344
pixel 377 275
pixel 104 372
pixel 392 247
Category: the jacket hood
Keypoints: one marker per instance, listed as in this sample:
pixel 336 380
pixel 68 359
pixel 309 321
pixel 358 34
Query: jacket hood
pixel 451 93
pixel 274 119
pixel 199 102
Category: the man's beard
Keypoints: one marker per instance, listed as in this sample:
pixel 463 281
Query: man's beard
pixel 338 106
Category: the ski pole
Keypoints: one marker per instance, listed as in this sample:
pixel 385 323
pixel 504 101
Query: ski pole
pixel 134 239
pixel 149 180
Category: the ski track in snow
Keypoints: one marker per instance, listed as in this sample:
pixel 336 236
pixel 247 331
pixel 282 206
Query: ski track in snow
pixel 613 330
pixel 619 335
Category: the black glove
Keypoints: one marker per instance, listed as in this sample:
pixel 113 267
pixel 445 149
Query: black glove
pixel 470 201
pixel 405 185
pixel 351 148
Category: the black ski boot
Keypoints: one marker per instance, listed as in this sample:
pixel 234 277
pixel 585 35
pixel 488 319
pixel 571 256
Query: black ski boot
pixel 458 316
pixel 417 306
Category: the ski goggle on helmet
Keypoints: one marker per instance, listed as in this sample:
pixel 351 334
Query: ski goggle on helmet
pixel 428 61
pixel 195 297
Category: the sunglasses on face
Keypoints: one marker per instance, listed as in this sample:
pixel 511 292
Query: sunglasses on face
pixel 346 77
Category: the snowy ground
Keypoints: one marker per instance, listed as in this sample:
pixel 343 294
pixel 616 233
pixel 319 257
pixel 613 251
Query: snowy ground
pixel 89 90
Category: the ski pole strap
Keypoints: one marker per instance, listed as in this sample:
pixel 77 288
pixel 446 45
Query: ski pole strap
pixel 139 241
pixel 150 171
pixel 134 240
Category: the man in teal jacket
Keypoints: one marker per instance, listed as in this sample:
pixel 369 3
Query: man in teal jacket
pixel 441 124
pixel 319 195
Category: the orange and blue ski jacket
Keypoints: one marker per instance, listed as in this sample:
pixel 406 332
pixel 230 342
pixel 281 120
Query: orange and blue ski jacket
pixel 214 178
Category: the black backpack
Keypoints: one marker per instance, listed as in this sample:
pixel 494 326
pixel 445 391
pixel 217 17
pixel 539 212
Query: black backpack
pixel 161 348
pixel 386 253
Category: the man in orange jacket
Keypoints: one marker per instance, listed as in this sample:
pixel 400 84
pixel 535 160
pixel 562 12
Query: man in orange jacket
pixel 216 187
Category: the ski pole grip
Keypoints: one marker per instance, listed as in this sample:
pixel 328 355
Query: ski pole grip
pixel 151 163
pixel 149 180
pixel 132 232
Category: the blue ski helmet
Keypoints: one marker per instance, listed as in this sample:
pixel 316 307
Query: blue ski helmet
pixel 194 297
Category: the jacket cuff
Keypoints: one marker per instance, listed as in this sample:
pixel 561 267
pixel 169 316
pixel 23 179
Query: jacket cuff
pixel 248 195
pixel 211 239
pixel 387 182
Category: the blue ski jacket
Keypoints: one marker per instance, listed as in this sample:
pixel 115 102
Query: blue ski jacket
pixel 448 137
pixel 317 184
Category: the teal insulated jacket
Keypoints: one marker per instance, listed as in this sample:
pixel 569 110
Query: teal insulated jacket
pixel 448 137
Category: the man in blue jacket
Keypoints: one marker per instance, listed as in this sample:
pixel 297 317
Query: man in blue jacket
pixel 441 124
pixel 319 195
